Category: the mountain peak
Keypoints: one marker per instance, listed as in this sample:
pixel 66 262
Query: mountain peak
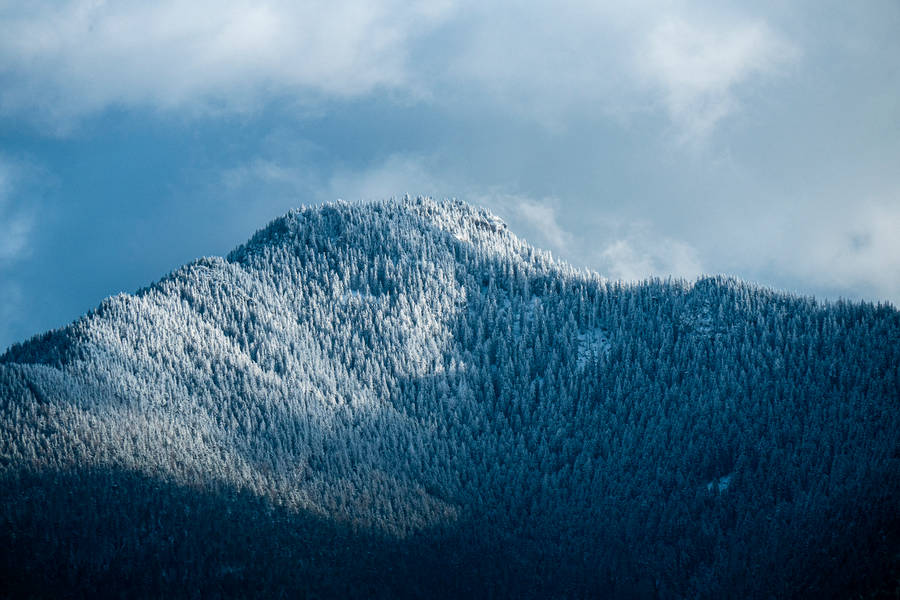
pixel 407 229
pixel 402 396
pixel 341 222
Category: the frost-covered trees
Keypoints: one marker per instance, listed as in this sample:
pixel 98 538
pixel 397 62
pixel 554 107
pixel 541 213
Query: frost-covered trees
pixel 403 398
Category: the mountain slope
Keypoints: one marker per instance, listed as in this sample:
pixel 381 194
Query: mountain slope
pixel 402 398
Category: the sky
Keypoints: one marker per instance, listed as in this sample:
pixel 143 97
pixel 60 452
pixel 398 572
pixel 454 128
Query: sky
pixel 756 139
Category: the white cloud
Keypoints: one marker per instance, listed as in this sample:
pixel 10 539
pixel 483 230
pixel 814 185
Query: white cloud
pixel 583 60
pixel 629 252
pixel 641 254
pixel 537 221
pixel 66 59
pixel 698 67
pixel 286 173
pixel 542 218
pixel 76 57
pixel 851 251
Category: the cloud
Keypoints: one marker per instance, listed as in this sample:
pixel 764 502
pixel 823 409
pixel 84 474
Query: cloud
pixel 395 176
pixel 16 221
pixel 847 251
pixel 64 60
pixel 698 67
pixel 629 252
pixel 542 218
pixel 80 56
pixel 538 221
pixel 266 173
pixel 289 173
pixel 584 60
pixel 641 254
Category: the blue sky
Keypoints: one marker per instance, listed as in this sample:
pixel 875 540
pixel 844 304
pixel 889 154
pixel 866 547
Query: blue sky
pixel 759 139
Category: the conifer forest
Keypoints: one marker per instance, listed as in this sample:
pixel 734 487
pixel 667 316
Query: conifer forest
pixel 402 399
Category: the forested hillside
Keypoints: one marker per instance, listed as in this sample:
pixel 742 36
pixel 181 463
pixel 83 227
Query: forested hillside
pixel 402 399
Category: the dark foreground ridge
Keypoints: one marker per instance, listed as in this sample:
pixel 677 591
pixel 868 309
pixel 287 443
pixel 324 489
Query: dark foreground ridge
pixel 402 399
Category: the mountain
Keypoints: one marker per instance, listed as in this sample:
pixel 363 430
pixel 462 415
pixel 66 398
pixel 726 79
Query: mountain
pixel 403 399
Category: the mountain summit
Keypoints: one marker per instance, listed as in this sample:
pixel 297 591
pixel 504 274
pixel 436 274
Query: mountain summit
pixel 403 399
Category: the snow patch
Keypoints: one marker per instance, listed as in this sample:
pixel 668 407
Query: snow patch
pixel 721 484
pixel 592 344
pixel 462 235
pixel 356 296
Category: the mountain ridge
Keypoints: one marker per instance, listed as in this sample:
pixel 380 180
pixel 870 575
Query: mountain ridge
pixel 453 217
pixel 409 371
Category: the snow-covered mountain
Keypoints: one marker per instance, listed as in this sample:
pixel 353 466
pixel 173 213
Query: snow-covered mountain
pixel 402 398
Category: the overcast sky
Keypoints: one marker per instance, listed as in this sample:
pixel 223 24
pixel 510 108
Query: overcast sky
pixel 759 139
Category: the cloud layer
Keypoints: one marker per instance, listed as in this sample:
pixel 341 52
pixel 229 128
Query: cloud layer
pixel 640 138
pixel 78 57
pixel 699 70
pixel 71 58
